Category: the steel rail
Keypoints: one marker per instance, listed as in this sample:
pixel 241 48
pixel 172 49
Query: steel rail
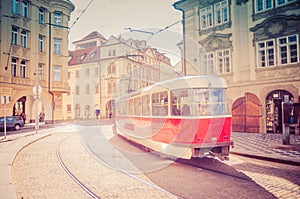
pixel 74 178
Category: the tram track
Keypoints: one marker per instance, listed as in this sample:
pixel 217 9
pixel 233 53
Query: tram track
pixel 74 178
pixel 88 186
pixel 128 174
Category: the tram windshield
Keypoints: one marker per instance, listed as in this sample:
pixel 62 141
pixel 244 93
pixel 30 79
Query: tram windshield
pixel 198 101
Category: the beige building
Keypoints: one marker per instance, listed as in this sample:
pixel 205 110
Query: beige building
pixel 34 51
pixel 100 70
pixel 254 45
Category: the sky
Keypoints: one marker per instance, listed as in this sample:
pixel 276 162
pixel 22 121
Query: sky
pixel 147 19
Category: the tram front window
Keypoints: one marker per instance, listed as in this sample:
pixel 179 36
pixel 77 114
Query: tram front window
pixel 195 102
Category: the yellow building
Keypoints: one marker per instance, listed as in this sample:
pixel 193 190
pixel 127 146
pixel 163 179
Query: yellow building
pixel 254 45
pixel 34 51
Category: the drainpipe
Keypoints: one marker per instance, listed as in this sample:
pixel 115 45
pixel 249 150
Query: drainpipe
pixel 49 71
pixel 184 43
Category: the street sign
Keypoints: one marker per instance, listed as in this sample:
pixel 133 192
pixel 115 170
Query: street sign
pixel 37 90
pixel 5 99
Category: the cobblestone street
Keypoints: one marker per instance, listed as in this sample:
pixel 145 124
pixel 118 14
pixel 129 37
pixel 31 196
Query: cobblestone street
pixel 37 173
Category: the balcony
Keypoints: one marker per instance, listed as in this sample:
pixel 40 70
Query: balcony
pixel 60 87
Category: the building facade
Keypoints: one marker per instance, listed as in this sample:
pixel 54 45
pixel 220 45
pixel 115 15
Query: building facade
pixel 100 70
pixel 254 45
pixel 34 52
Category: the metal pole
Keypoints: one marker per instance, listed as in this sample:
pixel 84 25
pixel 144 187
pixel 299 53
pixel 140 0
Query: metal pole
pixel 37 113
pixel 4 97
pixel 49 70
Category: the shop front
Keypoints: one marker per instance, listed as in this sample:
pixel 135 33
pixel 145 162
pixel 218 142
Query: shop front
pixel 274 116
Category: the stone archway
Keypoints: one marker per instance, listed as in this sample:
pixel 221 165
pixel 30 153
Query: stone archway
pixel 274 110
pixel 28 105
pixel 264 95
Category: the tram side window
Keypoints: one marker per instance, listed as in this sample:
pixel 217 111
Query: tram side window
pixel 160 104
pixel 175 103
pixel 218 101
pixel 137 106
pixel 125 107
pixel 130 107
pixel 146 105
pixel 198 101
pixel 181 102
pixel 119 107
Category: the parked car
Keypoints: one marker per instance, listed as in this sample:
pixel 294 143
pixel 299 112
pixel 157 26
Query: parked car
pixel 12 122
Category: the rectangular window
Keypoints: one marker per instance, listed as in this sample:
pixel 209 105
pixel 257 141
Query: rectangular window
pixel 210 64
pixel 41 71
pixel 14 35
pixel 77 74
pixel 57 73
pixel 15 6
pixel 221 12
pixel 265 53
pixel 109 88
pixel 24 38
pixel 24 9
pixel 77 89
pixel 41 15
pixel 111 69
pixel 57 46
pixel 283 2
pixel 69 109
pixel 23 69
pixel 96 70
pixel 14 67
pixel 262 5
pixel 288 49
pixel 87 89
pixel 206 19
pixel 223 61
pixel 41 43
pixel 87 72
pixel 97 88
pixel 57 19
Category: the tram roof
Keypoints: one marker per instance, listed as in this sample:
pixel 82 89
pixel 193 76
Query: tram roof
pixel 183 82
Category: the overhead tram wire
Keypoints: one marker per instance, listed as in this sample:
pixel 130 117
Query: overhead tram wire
pixel 167 27
pixel 83 11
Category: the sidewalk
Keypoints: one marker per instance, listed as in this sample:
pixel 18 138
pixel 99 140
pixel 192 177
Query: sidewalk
pixel 9 149
pixel 267 146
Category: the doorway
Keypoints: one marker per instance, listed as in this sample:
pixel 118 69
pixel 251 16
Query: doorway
pixel 274 110
pixel 246 114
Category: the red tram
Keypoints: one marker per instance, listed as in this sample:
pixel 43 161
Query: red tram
pixel 184 117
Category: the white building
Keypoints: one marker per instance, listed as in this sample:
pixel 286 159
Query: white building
pixel 102 69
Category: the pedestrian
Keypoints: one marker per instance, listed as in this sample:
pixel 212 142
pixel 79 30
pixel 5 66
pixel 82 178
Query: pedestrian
pixel 23 115
pixel 97 113
pixel 42 117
